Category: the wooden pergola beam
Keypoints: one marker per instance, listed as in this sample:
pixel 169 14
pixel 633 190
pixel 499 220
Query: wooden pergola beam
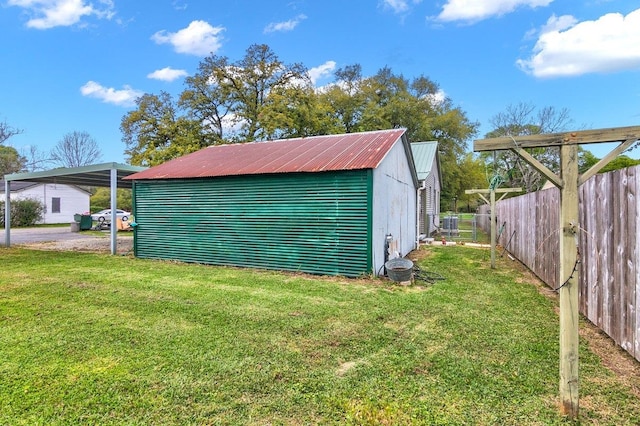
pixel 606 160
pixel 616 134
pixel 556 180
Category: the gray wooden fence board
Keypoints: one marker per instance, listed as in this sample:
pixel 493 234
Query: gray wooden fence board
pixel 608 243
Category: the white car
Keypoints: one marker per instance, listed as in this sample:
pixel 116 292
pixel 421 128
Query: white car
pixel 105 216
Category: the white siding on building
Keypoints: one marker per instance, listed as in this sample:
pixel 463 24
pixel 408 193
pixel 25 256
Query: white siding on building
pixel 71 200
pixel 394 206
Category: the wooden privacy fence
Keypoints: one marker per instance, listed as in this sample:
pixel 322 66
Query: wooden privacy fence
pixel 608 244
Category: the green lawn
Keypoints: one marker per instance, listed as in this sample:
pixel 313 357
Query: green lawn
pixel 97 339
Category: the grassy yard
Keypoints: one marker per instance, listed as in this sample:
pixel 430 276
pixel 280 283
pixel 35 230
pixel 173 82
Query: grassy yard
pixel 97 339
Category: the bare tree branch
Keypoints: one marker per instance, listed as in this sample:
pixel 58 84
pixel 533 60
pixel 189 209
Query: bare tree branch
pixel 76 149
pixel 34 158
pixel 523 119
pixel 7 131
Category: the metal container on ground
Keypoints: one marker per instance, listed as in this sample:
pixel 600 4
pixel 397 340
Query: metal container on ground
pixel 399 269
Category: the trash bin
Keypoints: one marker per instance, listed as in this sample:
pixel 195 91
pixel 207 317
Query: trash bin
pixel 85 222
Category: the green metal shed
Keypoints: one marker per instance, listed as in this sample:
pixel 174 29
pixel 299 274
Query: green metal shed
pixel 326 205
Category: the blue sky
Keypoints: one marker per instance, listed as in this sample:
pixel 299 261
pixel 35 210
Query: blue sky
pixel 78 65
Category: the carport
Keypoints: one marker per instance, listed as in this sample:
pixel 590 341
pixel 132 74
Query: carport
pixel 108 175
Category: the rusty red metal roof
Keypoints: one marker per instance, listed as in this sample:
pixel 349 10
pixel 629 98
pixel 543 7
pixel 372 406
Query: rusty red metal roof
pixel 350 151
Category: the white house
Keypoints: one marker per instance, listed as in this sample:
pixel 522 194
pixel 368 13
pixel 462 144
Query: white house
pixel 61 202
pixel 427 164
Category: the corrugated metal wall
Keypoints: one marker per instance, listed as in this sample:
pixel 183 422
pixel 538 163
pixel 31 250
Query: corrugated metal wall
pixel 310 222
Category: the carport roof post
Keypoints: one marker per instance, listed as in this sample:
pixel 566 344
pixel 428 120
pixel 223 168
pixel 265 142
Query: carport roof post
pixel 108 175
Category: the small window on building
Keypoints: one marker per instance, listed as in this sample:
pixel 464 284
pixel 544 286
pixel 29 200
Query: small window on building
pixel 55 205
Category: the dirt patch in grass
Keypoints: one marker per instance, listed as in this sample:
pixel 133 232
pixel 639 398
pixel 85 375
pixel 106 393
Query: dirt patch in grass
pixel 97 244
pixel 419 255
pixel 613 357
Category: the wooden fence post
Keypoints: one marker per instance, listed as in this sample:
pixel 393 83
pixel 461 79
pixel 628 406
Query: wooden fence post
pixel 569 279
pixel 492 212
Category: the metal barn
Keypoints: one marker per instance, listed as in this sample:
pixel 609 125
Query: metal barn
pixel 330 205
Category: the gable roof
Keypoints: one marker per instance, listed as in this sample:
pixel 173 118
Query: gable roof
pixel 424 155
pixel 350 151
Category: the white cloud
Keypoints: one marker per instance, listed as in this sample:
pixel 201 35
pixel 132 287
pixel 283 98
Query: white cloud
pixel 567 47
pixel 167 74
pixel 125 97
pixel 62 13
pixel 558 23
pixel 324 70
pixel 284 26
pixel 477 10
pixel 399 6
pixel 199 38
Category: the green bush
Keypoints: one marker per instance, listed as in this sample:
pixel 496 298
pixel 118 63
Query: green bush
pixel 24 212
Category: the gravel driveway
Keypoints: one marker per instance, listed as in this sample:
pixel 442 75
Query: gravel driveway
pixel 61 238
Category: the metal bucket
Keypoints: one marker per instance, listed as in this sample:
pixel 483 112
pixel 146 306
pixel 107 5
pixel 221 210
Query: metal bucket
pixel 400 269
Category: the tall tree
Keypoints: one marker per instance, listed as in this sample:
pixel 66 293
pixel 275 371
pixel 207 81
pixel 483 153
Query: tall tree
pixel 35 159
pixel 255 98
pixel 295 112
pixel 10 160
pixel 519 120
pixel 388 100
pixel 344 100
pixel 76 149
pixel 156 131
pixel 259 97
pixel 470 174
pixel 586 159
pixel 207 102
pixel 241 90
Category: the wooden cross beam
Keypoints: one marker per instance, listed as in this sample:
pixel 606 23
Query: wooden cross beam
pixel 580 137
pixel 568 181
pixel 626 135
pixel 492 203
